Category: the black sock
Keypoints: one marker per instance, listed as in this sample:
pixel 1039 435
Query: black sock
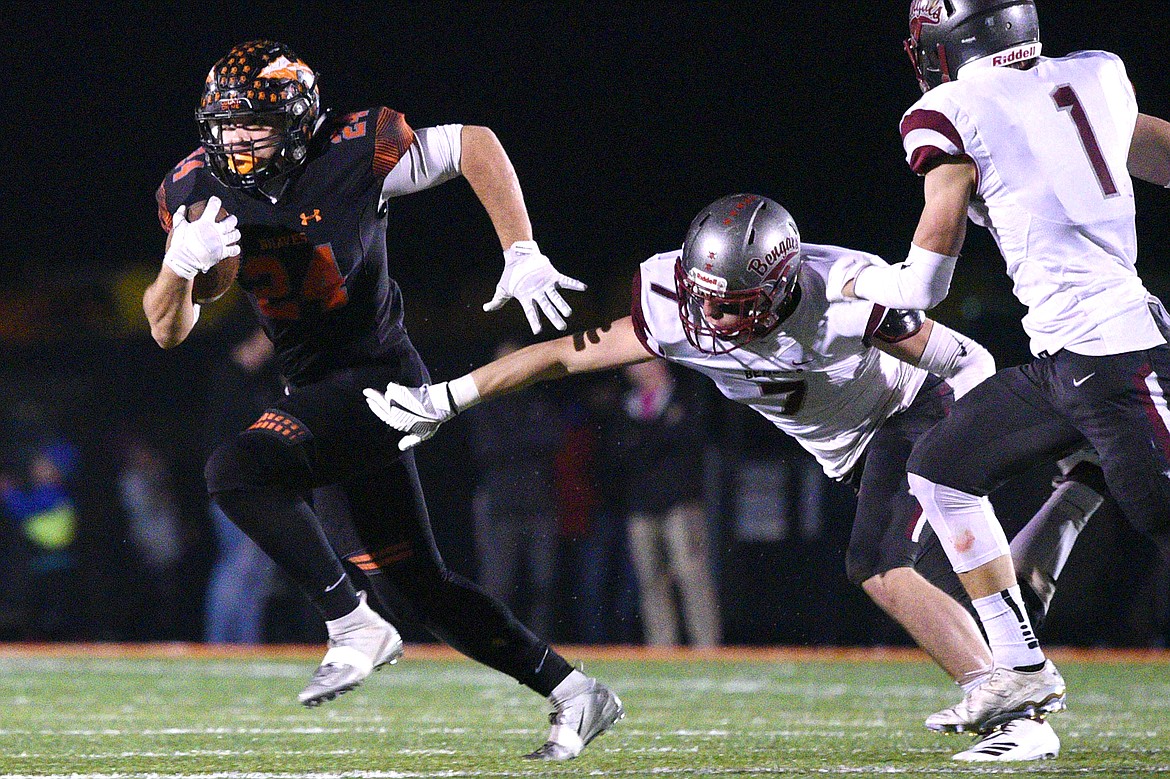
pixel 549 672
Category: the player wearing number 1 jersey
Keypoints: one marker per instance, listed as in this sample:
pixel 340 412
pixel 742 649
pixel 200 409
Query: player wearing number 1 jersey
pixel 1039 151
pixel 317 478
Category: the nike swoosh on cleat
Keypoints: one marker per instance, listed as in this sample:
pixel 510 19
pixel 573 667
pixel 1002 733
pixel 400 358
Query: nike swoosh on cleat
pixel 1082 380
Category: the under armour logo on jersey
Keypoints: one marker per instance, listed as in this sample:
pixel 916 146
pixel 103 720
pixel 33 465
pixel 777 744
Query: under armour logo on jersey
pixel 315 217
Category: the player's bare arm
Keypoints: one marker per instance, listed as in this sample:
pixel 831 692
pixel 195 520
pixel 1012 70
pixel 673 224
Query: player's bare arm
pixel 169 309
pixel 937 348
pixel 1149 151
pixel 419 411
pixel 490 173
pixel 598 349
pixel 948 188
pixel 528 275
pixel 192 246
pixel 922 281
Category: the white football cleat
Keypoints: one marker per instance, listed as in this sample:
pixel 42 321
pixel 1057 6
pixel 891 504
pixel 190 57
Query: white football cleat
pixel 1019 739
pixel 366 642
pixel 583 715
pixel 1006 695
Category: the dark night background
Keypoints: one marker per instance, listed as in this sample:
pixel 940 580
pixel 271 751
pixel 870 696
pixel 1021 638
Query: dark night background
pixel 622 120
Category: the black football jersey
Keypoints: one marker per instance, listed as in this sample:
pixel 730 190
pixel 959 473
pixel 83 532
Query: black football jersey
pixel 314 264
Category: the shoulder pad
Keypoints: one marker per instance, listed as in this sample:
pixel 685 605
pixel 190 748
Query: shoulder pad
pixel 891 325
pixel 384 129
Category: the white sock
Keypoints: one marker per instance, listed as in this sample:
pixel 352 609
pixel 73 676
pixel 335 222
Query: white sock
pixel 1009 632
pixel 359 617
pixel 572 684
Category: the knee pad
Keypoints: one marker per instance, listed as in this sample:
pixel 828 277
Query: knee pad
pixel 257 458
pixel 965 524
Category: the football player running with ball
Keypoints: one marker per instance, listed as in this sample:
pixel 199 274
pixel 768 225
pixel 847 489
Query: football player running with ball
pixel 317 479
pixel 856 384
pixel 1040 151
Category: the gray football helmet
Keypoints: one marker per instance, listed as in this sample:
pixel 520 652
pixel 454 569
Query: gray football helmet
pixel 947 34
pixel 741 258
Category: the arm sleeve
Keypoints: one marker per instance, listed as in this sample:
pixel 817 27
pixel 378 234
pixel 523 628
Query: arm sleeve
pixel 433 158
pixel 921 282
pixel 958 359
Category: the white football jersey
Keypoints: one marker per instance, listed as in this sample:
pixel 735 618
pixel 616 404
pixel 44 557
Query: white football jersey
pixel 814 377
pixel 1051 146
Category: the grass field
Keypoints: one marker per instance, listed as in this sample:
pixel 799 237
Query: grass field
pixel 137 715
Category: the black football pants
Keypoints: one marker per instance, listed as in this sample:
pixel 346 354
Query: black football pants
pixel 322 442
pixel 1048 408
pixel 883 536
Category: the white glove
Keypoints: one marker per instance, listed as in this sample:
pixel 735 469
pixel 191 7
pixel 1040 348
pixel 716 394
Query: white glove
pixel 199 245
pixel 841 273
pixel 530 277
pixel 416 411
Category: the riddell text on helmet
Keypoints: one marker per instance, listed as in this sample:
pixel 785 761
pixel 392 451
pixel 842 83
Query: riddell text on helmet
pixel 1018 54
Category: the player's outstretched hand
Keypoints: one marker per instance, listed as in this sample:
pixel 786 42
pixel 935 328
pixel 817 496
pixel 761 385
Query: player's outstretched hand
pixel 530 277
pixel 415 411
pixel 197 246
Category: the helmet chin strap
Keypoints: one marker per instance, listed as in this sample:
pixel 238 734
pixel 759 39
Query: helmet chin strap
pixel 780 312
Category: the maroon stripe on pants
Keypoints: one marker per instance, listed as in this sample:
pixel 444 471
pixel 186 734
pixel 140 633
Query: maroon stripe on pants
pixel 1157 423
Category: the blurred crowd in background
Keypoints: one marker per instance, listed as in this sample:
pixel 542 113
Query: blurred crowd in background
pixel 633 507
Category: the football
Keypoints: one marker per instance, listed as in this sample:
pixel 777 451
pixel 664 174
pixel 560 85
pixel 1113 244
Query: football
pixel 211 285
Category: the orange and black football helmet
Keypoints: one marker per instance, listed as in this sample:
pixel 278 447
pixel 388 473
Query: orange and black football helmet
pixel 259 83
